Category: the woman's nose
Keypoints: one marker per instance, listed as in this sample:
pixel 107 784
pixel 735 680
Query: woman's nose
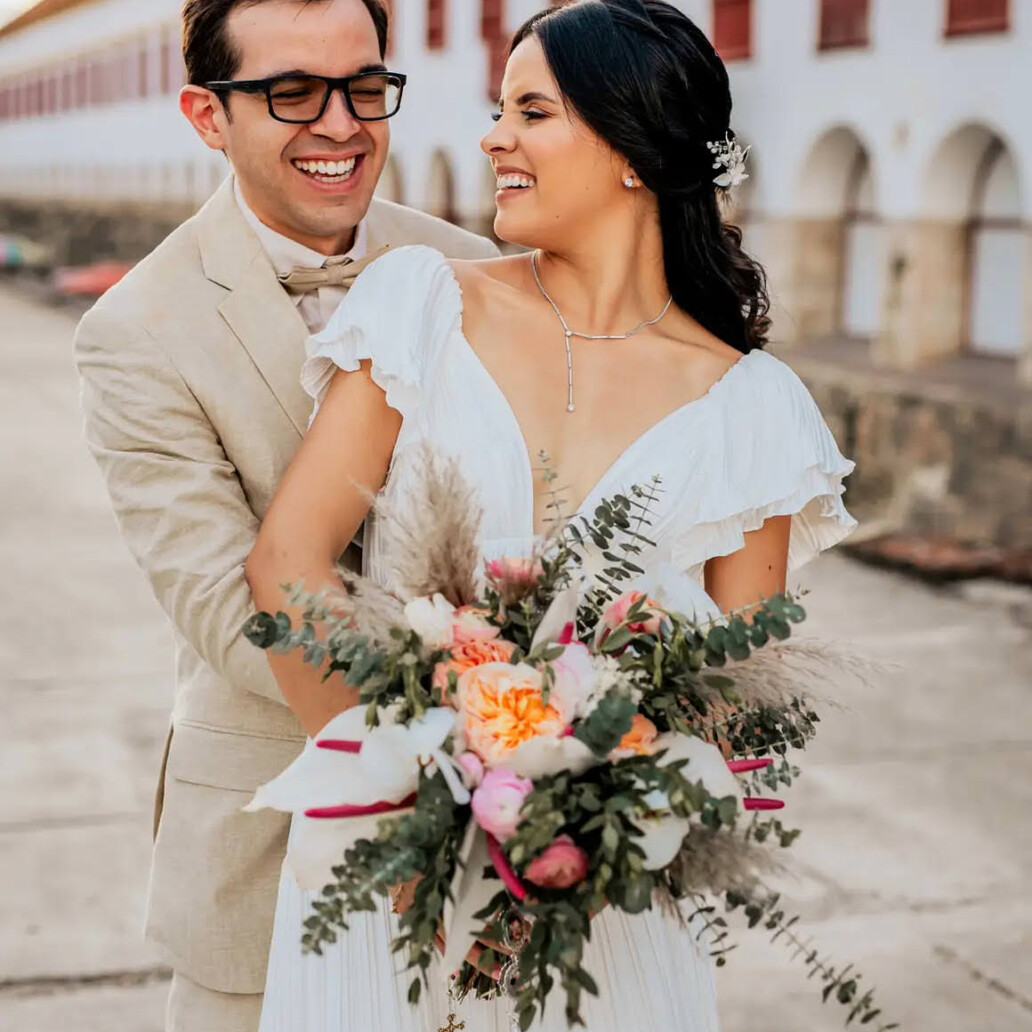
pixel 498 141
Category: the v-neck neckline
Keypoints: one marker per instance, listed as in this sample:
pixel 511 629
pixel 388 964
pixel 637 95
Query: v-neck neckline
pixel 527 463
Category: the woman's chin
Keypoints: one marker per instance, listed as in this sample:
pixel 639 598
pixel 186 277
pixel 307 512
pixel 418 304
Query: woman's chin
pixel 516 231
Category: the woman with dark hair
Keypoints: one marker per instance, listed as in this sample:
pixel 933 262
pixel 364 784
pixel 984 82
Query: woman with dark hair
pixel 627 343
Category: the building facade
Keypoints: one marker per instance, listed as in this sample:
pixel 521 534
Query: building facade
pixel 890 197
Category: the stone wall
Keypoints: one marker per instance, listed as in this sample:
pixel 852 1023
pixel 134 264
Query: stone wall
pixel 84 233
pixel 949 456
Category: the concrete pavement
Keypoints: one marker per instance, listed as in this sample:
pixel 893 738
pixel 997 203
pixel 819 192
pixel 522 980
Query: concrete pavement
pixel 915 860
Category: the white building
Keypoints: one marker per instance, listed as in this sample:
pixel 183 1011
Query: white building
pixel 892 182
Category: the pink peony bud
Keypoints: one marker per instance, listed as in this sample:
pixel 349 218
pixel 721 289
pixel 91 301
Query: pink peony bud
pixel 561 866
pixel 514 572
pixel 616 615
pixel 497 802
pixel 472 768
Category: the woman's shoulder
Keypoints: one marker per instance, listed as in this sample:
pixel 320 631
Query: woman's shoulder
pixel 486 276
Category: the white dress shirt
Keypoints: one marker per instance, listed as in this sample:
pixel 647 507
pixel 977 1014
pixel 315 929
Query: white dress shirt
pixel 315 308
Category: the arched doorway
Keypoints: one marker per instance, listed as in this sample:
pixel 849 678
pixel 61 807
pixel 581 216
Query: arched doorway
pixel 835 283
pixel 864 260
pixel 972 254
pixel 391 185
pixel 997 254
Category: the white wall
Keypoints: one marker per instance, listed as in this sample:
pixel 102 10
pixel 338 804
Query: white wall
pixel 902 97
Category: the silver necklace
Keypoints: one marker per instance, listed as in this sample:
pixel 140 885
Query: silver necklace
pixel 585 336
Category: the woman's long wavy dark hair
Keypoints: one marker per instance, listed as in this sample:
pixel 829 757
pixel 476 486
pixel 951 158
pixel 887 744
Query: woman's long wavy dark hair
pixel 643 77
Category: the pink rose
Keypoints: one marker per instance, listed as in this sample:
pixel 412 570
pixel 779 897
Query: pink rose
pixel 616 616
pixel 472 768
pixel 497 802
pixel 514 572
pixel 471 624
pixel 561 866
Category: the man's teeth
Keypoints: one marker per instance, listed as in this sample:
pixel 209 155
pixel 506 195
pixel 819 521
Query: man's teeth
pixel 327 168
pixel 513 181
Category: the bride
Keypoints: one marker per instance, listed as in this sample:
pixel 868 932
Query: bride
pixel 627 343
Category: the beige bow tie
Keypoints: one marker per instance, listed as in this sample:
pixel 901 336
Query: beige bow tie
pixel 335 272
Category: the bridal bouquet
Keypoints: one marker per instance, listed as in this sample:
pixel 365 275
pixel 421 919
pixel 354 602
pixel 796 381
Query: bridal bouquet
pixel 535 743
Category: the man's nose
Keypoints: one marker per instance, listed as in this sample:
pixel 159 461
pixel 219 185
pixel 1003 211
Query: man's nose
pixel 337 122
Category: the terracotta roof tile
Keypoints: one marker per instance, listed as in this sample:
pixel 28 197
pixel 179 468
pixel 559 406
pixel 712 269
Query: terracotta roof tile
pixel 40 11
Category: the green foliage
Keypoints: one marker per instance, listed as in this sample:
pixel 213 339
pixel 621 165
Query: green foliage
pixel 841 985
pixel 682 677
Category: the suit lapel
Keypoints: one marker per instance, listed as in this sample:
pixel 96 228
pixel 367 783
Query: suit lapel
pixel 257 309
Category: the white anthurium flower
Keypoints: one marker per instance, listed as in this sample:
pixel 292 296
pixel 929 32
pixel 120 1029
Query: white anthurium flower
pixel 538 757
pixel 663 832
pixel 385 770
pixel 706 763
pixel 319 777
pixel 470 893
pixel 433 619
pixel 392 755
pixel 317 846
pixel 561 611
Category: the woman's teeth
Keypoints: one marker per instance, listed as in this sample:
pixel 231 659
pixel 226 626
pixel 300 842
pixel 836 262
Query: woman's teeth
pixel 328 171
pixel 512 181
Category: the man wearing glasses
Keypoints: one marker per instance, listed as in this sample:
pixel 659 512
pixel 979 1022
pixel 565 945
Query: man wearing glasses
pixel 190 381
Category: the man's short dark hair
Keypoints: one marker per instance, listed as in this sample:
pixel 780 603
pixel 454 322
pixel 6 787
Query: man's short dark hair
pixel 208 51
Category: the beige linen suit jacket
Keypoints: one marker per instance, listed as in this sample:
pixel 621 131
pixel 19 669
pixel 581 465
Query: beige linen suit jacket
pixel 193 409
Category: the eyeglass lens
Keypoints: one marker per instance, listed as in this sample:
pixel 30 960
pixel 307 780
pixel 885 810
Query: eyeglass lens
pixel 301 99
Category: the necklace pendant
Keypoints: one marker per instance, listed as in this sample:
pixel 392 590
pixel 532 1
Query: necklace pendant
pixel 571 407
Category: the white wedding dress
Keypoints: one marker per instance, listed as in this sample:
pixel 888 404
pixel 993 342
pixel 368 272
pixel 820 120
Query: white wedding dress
pixel 752 447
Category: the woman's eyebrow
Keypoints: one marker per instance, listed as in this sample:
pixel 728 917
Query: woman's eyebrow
pixel 529 98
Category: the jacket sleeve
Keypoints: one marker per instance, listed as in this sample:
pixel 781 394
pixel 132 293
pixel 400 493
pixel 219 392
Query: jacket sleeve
pixel 177 498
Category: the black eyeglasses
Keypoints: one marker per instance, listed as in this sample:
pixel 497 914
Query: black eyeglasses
pixel 302 99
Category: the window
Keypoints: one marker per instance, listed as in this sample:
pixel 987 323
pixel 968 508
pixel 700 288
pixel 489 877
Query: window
pixel 389 5
pixel 492 19
pixel 436 16
pixel 969 16
pixel 844 23
pixel 732 28
pixel 497 55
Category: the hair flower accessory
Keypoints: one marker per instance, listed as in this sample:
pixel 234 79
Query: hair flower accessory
pixel 729 155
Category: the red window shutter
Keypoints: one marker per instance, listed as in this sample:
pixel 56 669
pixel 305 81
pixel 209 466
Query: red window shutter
pixel 497 55
pixel 143 67
pixel 968 16
pixel 436 18
pixel 492 19
pixel 732 28
pixel 844 23
pixel 389 4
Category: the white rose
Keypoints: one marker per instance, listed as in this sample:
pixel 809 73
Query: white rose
pixel 433 619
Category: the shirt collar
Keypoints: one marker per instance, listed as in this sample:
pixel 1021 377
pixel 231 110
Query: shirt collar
pixel 285 253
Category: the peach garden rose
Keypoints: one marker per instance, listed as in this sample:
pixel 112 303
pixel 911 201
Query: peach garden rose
pixel 501 707
pixel 470 654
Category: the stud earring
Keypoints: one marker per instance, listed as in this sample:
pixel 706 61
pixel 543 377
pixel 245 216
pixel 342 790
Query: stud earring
pixel 629 182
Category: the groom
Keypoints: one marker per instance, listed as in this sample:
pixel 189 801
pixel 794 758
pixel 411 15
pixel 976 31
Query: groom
pixel 193 405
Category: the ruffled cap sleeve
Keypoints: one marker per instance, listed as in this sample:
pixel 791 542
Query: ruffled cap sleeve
pixel 771 454
pixel 395 316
